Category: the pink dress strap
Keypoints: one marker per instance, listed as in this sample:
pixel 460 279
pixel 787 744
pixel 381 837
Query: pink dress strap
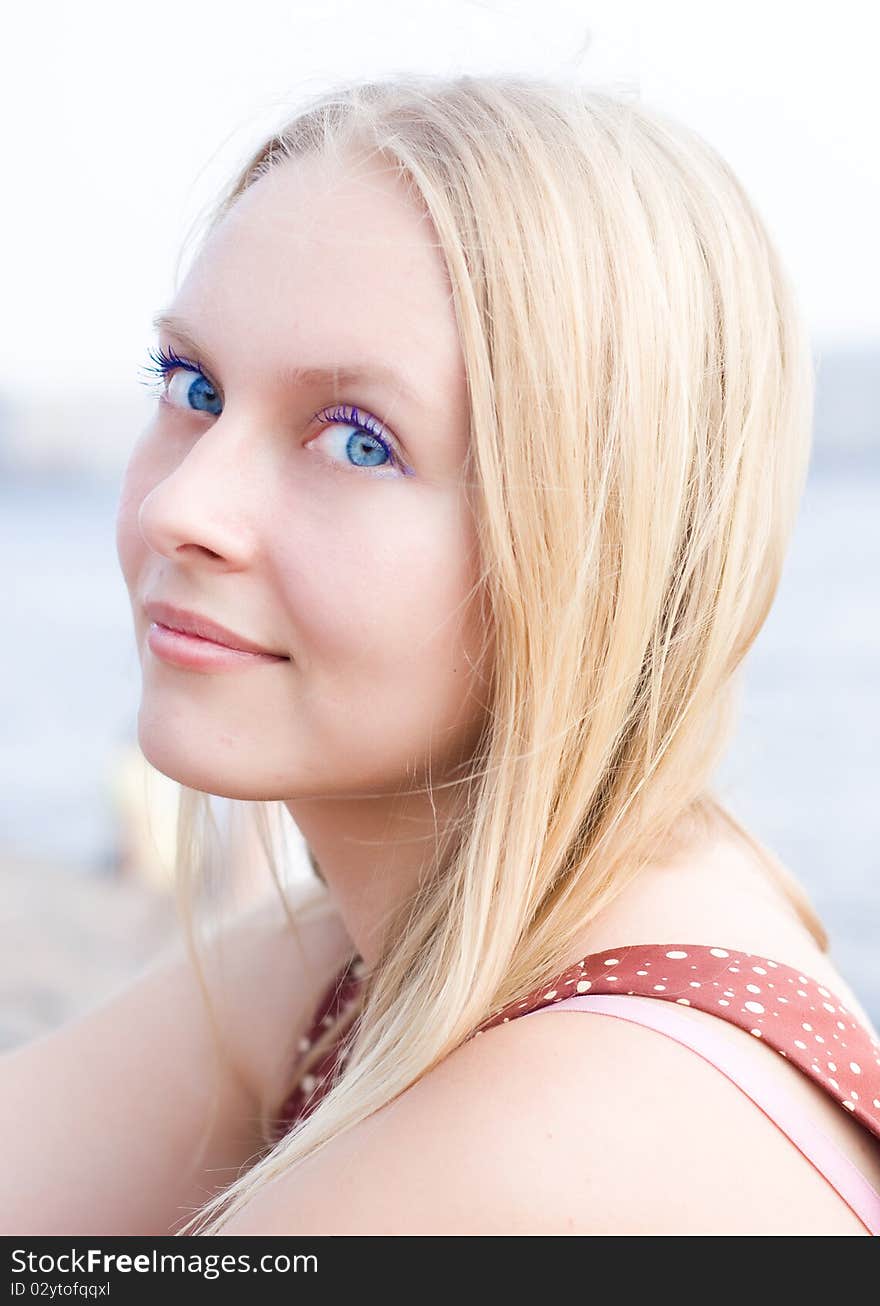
pixel 812 1141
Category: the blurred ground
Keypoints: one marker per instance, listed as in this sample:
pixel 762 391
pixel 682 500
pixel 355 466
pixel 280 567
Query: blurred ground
pixel 72 935
pixel 69 940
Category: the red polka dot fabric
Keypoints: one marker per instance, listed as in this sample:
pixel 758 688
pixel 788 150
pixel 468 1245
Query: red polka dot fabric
pixel 341 994
pixel 792 1014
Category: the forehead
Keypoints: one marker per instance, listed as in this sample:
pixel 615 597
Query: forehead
pixel 323 259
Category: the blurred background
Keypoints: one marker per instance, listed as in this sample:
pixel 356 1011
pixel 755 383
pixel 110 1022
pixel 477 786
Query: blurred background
pixel 118 126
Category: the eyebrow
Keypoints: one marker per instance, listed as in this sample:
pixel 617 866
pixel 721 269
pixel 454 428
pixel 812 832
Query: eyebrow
pixel 350 374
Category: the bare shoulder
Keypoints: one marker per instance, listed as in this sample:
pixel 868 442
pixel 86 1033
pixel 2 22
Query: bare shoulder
pixel 569 1124
pixel 579 1124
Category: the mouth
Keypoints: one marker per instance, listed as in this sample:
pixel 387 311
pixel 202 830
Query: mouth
pixel 195 653
pixel 198 628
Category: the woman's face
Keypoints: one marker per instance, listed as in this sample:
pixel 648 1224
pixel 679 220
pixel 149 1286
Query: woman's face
pixel 254 499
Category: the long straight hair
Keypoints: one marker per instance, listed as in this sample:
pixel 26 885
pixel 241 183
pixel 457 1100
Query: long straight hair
pixel 641 390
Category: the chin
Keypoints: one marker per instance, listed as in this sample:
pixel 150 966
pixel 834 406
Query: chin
pixel 174 763
pixel 190 762
pixel 209 765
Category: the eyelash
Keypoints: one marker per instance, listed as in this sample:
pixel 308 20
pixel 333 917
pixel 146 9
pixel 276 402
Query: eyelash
pixel 165 362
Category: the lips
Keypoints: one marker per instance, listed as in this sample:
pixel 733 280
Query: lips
pixel 193 623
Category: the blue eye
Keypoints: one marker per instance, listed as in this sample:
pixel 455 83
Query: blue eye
pixel 192 386
pixel 368 447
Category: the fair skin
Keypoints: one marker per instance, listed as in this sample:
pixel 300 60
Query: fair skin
pixel 576 1124
pixel 255 516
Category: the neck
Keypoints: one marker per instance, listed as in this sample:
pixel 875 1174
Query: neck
pixel 374 852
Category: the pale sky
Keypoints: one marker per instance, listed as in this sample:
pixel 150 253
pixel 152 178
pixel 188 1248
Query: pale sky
pixel 119 122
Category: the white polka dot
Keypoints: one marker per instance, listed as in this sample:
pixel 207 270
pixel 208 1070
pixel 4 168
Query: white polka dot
pixel 307 1083
pixel 854 1095
pixel 304 1044
pixel 757 1033
pixel 759 970
pixel 729 993
pixel 802 994
pixel 583 985
pixel 818 1038
pixel 832 1065
pixel 755 1007
pixel 799 1044
pixel 824 992
pixel 505 1020
pixel 611 961
pixel 808 1028
pixel 840 1025
pixel 695 984
pixel 877 1103
pixel 752 988
pixel 828 1006
pixel 851 1106
pixel 676 956
pixel 611 979
pixel 773 964
pixel 718 952
pixel 641 972
pixel 659 988
pixel 684 1002
pixel 551 994
pixel 855 1068
pixel 722 1002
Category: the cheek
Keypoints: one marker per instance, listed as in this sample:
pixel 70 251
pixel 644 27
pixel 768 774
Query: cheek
pixel 390 623
pixel 383 590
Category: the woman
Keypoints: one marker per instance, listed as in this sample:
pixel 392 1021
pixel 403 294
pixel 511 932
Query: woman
pixel 483 419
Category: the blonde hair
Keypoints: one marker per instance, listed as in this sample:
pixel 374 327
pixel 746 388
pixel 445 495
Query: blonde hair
pixel 641 391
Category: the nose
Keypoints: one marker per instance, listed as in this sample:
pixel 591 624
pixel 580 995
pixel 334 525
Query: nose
pixel 209 504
